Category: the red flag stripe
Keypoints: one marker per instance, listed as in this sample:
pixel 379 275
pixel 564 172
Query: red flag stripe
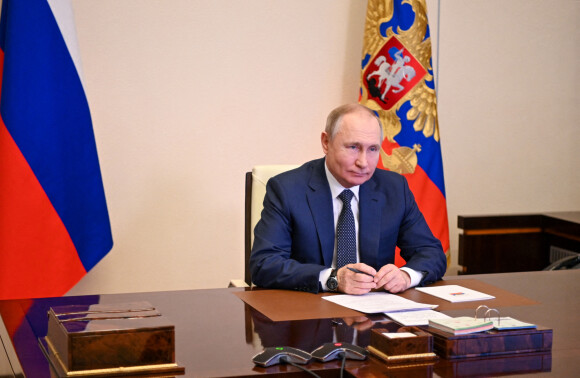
pixel 41 252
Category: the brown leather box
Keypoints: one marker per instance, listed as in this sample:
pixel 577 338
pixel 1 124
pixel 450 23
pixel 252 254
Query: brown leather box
pixel 402 349
pixel 110 338
pixel 491 343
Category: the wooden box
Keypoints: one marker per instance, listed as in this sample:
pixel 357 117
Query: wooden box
pixel 491 343
pixel 111 339
pixel 402 349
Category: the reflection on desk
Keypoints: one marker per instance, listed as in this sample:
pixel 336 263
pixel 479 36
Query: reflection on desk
pixel 217 333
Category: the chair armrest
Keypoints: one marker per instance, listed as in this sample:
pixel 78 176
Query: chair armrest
pixel 238 283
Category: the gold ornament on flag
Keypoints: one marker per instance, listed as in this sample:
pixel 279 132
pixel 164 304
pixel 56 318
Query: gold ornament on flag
pixel 403 160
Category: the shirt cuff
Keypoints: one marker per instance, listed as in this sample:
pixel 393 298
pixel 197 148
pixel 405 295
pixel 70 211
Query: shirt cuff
pixel 323 277
pixel 416 277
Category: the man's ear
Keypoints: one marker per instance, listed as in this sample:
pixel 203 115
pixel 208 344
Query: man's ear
pixel 324 140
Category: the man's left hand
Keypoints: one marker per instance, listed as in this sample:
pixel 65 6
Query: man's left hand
pixel 392 279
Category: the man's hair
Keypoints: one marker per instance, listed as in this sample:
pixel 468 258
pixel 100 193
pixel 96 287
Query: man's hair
pixel 334 119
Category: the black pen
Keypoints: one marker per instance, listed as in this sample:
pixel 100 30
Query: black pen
pixel 359 271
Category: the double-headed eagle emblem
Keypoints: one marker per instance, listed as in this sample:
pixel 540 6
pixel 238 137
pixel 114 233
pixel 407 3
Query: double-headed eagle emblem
pixel 396 69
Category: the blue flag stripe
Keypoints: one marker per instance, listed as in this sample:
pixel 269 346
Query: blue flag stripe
pixel 46 112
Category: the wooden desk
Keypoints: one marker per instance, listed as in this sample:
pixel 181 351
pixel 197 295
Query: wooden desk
pixel 217 333
pixel 515 243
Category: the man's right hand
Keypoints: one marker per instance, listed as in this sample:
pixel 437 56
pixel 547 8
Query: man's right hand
pixel 350 282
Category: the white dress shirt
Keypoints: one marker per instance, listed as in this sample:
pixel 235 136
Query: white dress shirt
pixel 335 190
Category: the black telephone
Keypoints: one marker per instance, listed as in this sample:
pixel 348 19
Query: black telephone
pixel 568 262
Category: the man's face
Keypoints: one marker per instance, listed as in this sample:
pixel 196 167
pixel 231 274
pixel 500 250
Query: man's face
pixel 353 154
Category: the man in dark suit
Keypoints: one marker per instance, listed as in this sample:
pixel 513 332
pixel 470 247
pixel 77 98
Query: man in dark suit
pixel 295 243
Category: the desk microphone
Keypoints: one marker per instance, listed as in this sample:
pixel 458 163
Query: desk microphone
pixel 333 351
pixel 275 355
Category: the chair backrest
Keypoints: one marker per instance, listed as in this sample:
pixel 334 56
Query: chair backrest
pixel 255 192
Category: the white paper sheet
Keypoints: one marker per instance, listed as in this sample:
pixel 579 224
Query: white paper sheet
pixel 375 302
pixel 399 335
pixel 415 318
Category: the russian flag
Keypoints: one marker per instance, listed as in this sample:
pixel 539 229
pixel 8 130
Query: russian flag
pixel 397 82
pixel 54 223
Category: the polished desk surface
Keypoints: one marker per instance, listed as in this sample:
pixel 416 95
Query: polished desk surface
pixel 217 334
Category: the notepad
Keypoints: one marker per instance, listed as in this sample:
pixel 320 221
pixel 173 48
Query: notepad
pixel 416 318
pixel 455 293
pixel 505 323
pixel 461 325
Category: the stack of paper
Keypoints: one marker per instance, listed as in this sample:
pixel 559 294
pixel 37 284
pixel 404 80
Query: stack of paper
pixel 505 323
pixel 416 318
pixel 461 325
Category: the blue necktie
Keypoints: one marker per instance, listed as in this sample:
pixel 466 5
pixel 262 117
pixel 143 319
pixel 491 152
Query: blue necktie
pixel 345 233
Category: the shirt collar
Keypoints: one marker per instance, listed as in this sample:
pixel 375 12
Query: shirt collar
pixel 335 187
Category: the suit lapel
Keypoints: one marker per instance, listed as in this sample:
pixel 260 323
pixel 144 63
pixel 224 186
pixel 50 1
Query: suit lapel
pixel 369 223
pixel 320 205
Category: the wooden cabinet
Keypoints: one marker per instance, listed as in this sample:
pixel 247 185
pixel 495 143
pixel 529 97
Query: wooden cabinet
pixel 516 243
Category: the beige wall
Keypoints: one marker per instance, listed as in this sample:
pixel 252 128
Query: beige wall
pixel 187 95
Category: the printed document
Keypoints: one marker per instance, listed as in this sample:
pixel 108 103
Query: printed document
pixel 376 302
pixel 455 293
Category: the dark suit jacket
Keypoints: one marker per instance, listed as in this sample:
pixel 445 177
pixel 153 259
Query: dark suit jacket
pixel 294 239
